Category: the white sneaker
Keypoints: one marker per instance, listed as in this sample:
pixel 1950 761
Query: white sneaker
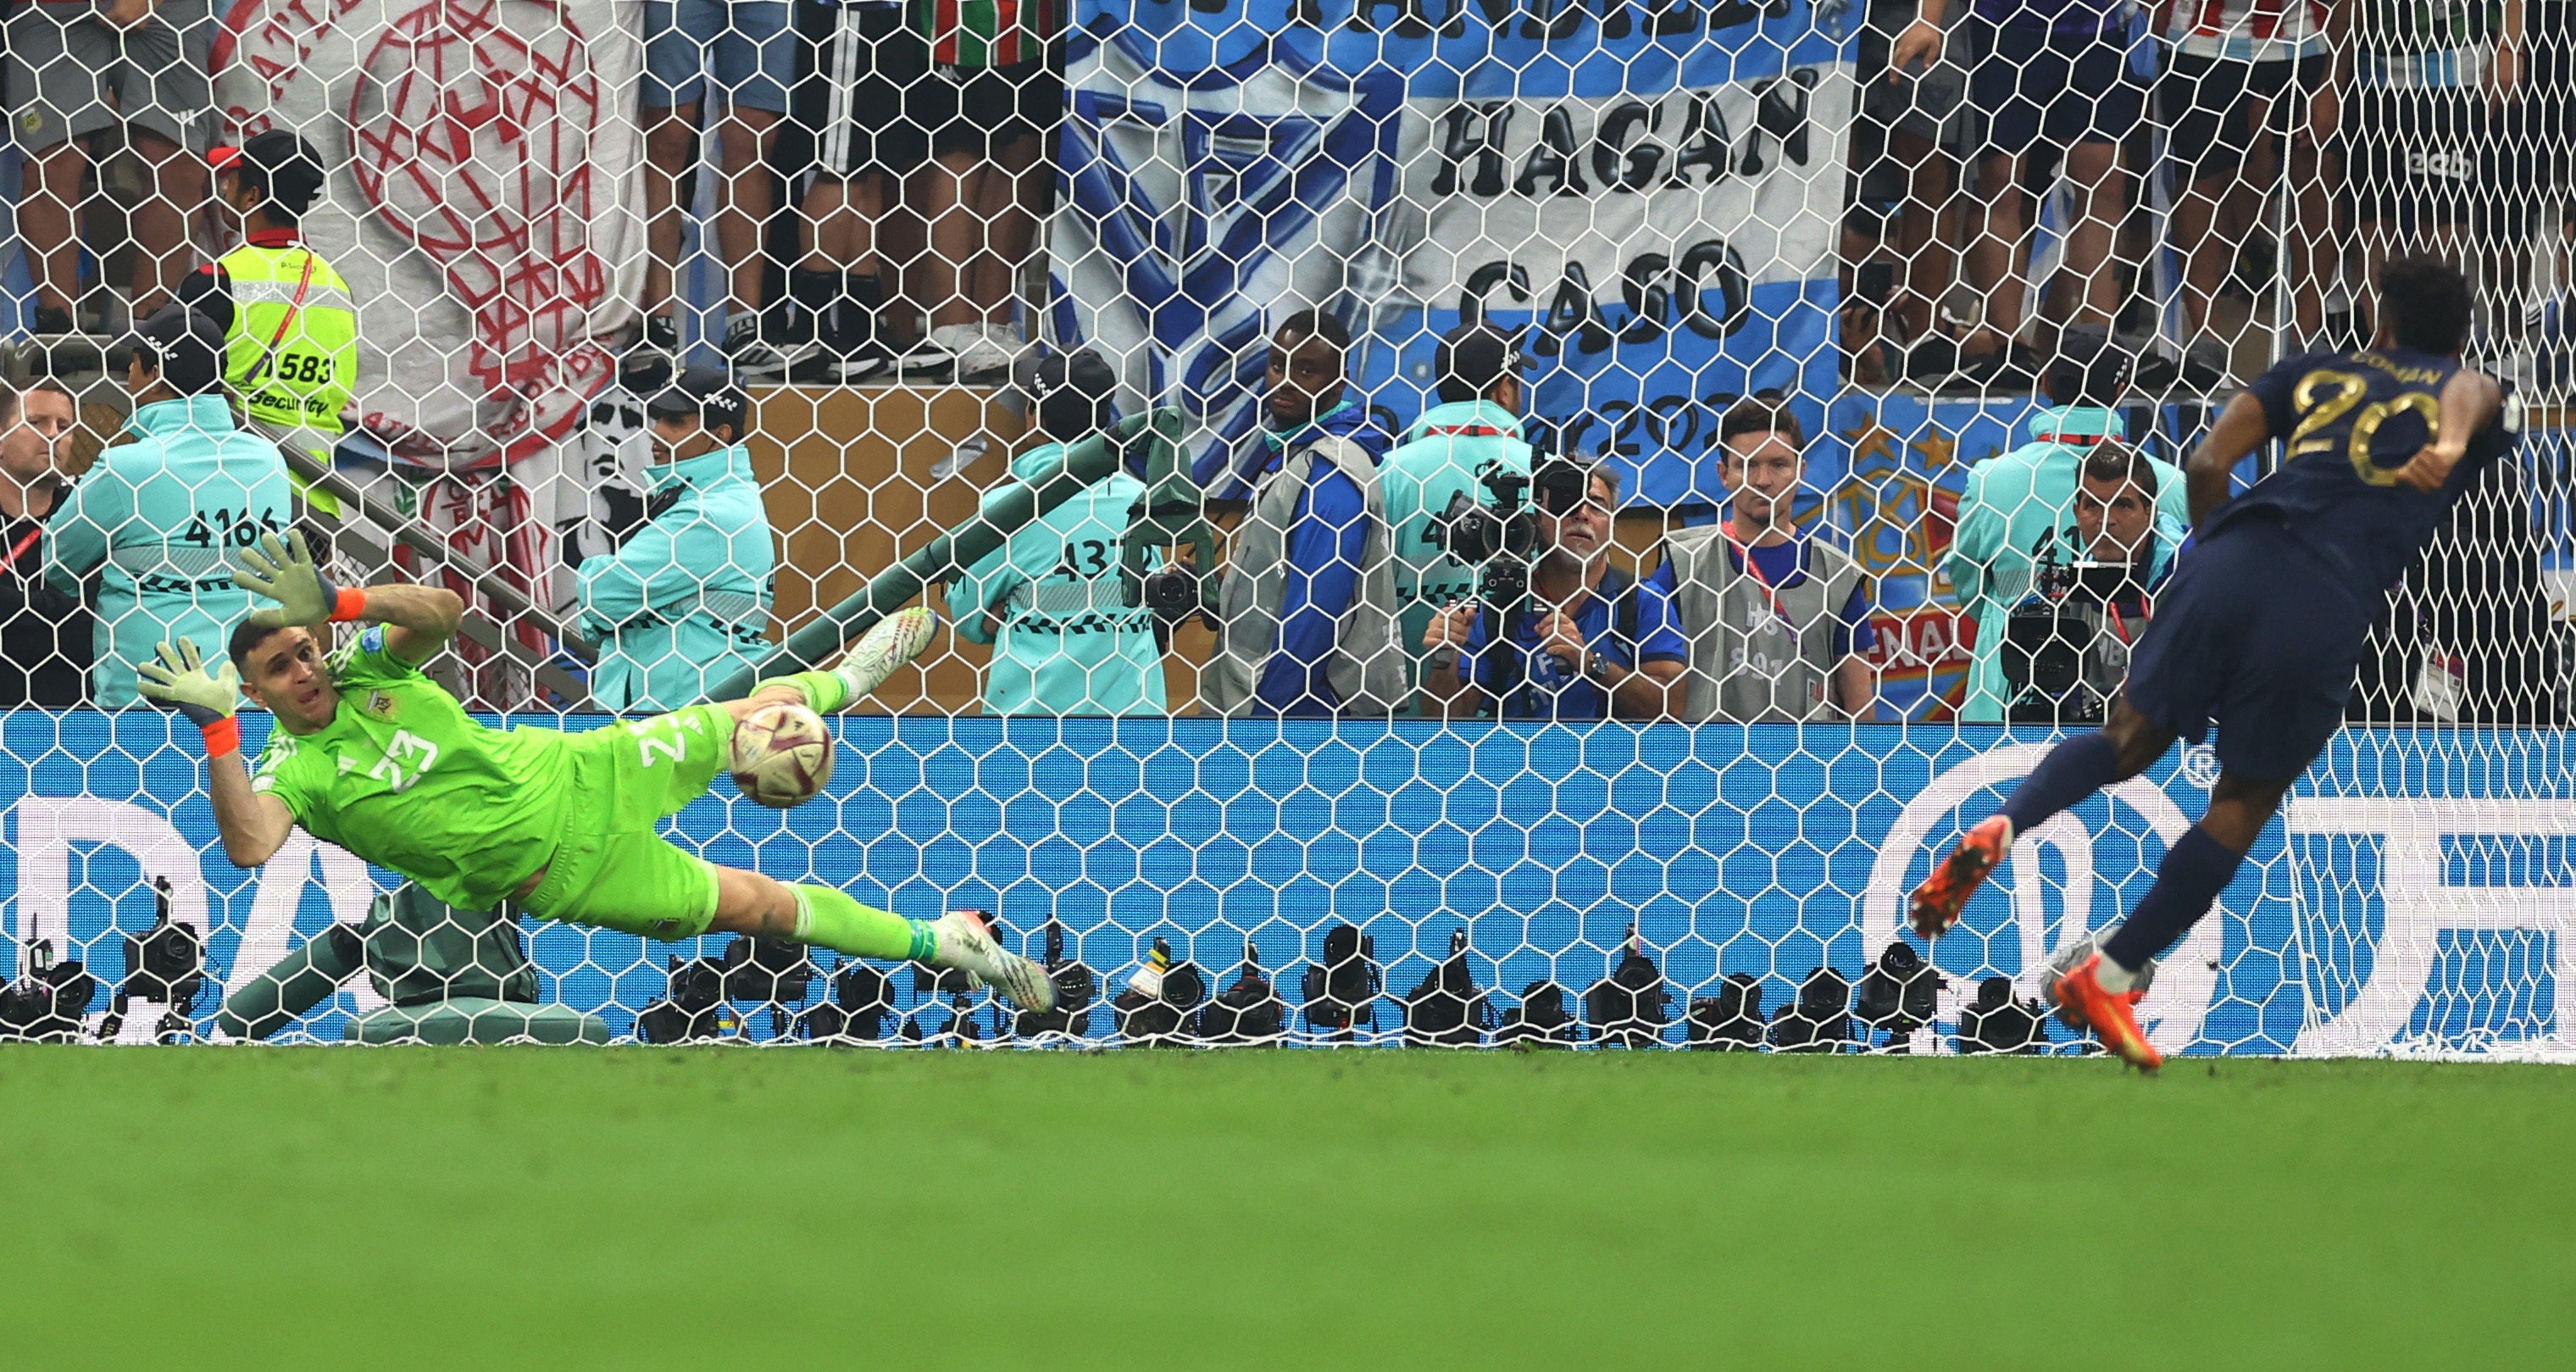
pixel 965 942
pixel 978 354
pixel 757 358
pixel 891 642
pixel 1004 339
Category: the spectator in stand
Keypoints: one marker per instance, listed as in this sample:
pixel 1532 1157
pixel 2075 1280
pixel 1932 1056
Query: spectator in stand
pixel 2051 80
pixel 290 324
pixel 1583 649
pixel 996 101
pixel 2021 504
pixel 738 56
pixel 44 633
pixel 1475 428
pixel 1776 619
pixel 1051 600
pixel 1307 396
pixel 2431 173
pixel 157 518
pixel 684 602
pixel 1905 152
pixel 865 69
pixel 2246 83
pixel 1306 606
pixel 79 69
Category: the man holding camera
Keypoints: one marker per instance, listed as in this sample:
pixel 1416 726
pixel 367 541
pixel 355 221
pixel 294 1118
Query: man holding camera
pixel 1581 646
pixel 684 602
pixel 1051 600
pixel 145 533
pixel 1475 428
pixel 2067 647
pixel 2019 505
pixel 1776 620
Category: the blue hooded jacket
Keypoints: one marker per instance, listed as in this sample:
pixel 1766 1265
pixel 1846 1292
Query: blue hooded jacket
pixel 158 521
pixel 686 601
pixel 1064 640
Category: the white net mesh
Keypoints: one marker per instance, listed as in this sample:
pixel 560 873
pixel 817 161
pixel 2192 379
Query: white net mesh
pixel 1844 362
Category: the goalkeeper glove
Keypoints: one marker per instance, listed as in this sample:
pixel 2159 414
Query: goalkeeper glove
pixel 206 695
pixel 281 568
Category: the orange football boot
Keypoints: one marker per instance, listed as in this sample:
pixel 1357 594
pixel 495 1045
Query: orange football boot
pixel 1938 901
pixel 2082 1002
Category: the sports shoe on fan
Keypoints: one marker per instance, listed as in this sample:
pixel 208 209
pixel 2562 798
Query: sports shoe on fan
pixel 826 368
pixel 996 350
pixel 2082 1002
pixel 848 354
pixel 661 335
pixel 755 357
pixel 926 359
pixel 977 355
pixel 2206 365
pixel 965 942
pixel 1938 901
pixel 889 643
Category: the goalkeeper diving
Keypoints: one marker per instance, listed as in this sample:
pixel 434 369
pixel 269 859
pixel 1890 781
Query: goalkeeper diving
pixel 370 754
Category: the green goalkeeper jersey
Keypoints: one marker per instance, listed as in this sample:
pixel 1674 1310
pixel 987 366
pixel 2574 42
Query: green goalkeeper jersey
pixel 405 779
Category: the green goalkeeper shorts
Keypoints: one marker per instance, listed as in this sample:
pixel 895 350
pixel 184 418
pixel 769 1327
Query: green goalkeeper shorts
pixel 612 868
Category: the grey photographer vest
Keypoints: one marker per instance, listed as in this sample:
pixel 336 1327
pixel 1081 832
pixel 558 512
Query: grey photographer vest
pixel 1366 671
pixel 1747 665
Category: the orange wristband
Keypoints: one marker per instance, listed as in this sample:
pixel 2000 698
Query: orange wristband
pixel 351 604
pixel 222 737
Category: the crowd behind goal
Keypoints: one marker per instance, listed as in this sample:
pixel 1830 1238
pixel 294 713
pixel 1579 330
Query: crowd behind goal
pixel 2123 212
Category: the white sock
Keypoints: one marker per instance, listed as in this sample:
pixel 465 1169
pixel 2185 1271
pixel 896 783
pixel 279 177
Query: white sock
pixel 2114 978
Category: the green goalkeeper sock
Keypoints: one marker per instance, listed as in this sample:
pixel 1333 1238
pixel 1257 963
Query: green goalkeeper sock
pixel 826 915
pixel 825 692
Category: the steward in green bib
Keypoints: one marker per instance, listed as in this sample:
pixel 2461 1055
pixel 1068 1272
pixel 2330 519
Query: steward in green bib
pixel 290 325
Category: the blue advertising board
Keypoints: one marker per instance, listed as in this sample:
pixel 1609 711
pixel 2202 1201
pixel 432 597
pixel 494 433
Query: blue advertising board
pixel 2420 894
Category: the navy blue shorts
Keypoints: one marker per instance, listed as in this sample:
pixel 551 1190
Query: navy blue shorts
pixel 2035 86
pixel 2259 636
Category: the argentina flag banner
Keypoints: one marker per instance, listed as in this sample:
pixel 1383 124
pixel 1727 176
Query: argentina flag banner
pixel 1651 190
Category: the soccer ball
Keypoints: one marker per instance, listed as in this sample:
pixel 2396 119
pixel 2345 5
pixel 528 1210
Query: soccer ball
pixel 782 755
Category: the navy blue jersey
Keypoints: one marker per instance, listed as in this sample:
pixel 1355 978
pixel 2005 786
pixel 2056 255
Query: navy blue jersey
pixel 2351 420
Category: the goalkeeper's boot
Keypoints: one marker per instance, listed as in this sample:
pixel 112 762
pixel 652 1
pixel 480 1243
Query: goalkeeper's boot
pixel 893 641
pixel 1938 901
pixel 2112 1016
pixel 965 941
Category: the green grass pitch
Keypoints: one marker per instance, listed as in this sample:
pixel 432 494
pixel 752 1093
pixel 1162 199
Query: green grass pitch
pixel 718 1209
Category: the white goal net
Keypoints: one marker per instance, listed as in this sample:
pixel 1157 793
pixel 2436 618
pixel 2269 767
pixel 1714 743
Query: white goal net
pixel 1828 372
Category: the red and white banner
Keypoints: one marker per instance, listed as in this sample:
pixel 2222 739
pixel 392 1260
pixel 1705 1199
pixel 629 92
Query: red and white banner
pixel 484 161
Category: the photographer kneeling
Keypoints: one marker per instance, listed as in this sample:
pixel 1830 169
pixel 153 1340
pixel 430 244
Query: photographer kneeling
pixel 2066 646
pixel 1576 648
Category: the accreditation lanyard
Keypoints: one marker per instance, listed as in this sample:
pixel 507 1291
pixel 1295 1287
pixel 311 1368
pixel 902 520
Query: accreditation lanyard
pixel 293 308
pixel 2120 626
pixel 1744 559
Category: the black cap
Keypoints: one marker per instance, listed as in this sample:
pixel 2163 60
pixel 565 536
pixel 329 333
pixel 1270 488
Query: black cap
pixel 1073 394
pixel 1472 357
pixel 285 168
pixel 708 393
pixel 184 346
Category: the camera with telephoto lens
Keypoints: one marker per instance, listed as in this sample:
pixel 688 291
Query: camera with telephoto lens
pixel 1500 539
pixel 2062 662
pixel 165 967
